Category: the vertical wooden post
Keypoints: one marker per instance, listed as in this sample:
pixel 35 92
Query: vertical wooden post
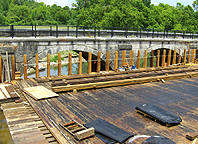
pixel 179 57
pixel 188 59
pixel 145 59
pixel 107 62
pixel 13 67
pixel 59 64
pixel 0 69
pixel 174 57
pixel 169 57
pixel 196 54
pixel 37 68
pixel 116 61
pixel 123 57
pixel 80 64
pixel 98 61
pixel 163 58
pixel 89 62
pixel 138 60
pixel 25 66
pixel 151 59
pixel 70 64
pixel 158 58
pixel 131 58
pixel 48 65
pixel 184 59
pixel 193 56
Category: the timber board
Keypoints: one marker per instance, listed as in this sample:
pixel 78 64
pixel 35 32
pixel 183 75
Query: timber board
pixel 117 106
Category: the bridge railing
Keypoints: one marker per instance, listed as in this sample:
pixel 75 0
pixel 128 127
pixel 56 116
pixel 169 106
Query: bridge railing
pixel 91 31
pixel 157 58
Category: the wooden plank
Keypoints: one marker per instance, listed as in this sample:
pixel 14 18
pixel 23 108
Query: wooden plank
pixel 13 67
pixel 70 64
pixel 116 61
pixel 25 66
pixel 184 57
pixel 107 62
pixel 59 64
pixel 169 57
pixel 138 59
pixel 151 58
pixel 2 86
pixel 98 61
pixel 193 56
pixel 192 136
pixel 123 58
pixel 48 65
pixel 80 64
pixel 2 96
pixel 145 59
pixel 174 57
pixel 179 57
pixel 39 92
pixel 163 58
pixel 37 69
pixel 158 58
pixel 131 58
pixel 89 62
pixel 11 91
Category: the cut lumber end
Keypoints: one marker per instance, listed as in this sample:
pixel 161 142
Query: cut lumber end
pixel 85 133
pixel 192 136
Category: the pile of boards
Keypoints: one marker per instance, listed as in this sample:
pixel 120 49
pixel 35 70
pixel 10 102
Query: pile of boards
pixel 100 80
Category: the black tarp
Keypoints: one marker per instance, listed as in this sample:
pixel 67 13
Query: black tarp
pixel 108 132
pixel 158 140
pixel 159 114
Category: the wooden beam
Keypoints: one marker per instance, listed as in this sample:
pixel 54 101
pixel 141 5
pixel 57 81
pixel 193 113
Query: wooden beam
pixel 80 64
pixel 89 62
pixel 174 57
pixel 123 57
pixel 179 57
pixel 145 59
pixel 37 69
pixel 158 58
pixel 48 65
pixel 98 62
pixel 169 57
pixel 193 56
pixel 163 58
pixel 116 61
pixel 25 66
pixel 107 62
pixel 131 58
pixel 151 59
pixel 138 59
pixel 196 53
pixel 59 64
pixel 70 64
pixel 188 59
pixel 13 67
pixel 184 58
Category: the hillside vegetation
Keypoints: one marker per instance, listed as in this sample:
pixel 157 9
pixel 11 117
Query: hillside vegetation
pixel 109 13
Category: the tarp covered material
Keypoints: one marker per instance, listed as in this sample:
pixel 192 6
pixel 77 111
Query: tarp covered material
pixel 159 114
pixel 107 130
pixel 158 140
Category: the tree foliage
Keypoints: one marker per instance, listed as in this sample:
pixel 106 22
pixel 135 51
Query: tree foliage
pixel 106 13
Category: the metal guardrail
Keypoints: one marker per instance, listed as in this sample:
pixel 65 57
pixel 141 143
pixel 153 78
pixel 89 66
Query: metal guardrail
pixel 90 31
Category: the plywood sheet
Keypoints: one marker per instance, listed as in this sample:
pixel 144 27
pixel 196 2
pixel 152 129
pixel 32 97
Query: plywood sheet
pixel 39 92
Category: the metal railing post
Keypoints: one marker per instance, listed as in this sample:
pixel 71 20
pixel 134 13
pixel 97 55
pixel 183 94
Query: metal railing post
pixel 50 30
pixel 12 31
pixel 35 30
pixel 98 31
pixel 32 30
pixel 111 31
pixel 140 33
pixel 56 31
pixel 95 32
pixel 76 31
pixel 67 30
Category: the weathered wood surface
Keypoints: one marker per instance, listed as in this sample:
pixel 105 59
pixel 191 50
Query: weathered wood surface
pixel 24 124
pixel 117 106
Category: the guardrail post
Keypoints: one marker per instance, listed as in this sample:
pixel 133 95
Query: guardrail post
pixel 183 34
pixel 153 33
pixel 50 30
pixel 12 31
pixel 56 31
pixel 32 30
pixel 164 33
pixel 76 31
pixel 95 32
pixel 126 32
pixel 35 31
pixel 67 30
pixel 174 34
pixel 84 31
pixel 111 31
pixel 140 33
pixel 98 31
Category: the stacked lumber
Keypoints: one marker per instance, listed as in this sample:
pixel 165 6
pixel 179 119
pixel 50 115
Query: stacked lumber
pixel 18 75
pixel 126 78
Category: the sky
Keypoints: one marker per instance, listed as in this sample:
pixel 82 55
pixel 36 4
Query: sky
pixel 63 3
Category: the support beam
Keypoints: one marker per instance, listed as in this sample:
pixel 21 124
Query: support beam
pixel 59 64
pixel 116 61
pixel 158 58
pixel 98 62
pixel 188 59
pixel 131 58
pixel 48 65
pixel 37 68
pixel 107 62
pixel 174 57
pixel 80 64
pixel 145 59
pixel 169 57
pixel 25 66
pixel 151 59
pixel 163 58
pixel 13 67
pixel 70 64
pixel 123 58
pixel 138 59
pixel 89 62
pixel 184 59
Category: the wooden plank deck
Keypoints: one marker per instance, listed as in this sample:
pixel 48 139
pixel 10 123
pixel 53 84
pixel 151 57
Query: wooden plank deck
pixel 25 125
pixel 117 106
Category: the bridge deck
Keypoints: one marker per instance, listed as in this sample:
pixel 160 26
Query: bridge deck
pixel 117 106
